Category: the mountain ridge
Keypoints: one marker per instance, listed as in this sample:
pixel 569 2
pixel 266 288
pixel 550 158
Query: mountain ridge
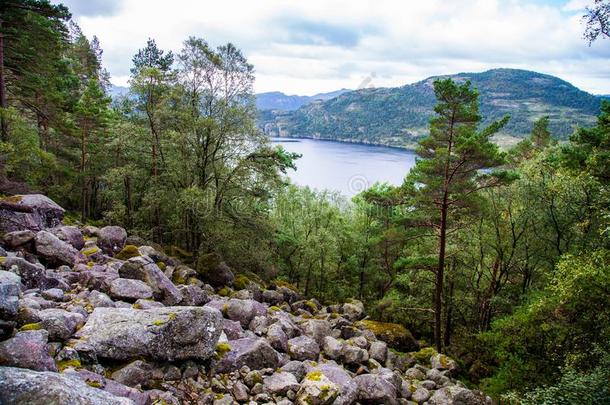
pixel 399 116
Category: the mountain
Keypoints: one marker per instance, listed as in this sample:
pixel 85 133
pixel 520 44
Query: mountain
pixel 276 100
pixel 399 116
pixel 117 91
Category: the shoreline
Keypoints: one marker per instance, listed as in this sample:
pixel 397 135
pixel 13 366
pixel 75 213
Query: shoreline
pixel 343 140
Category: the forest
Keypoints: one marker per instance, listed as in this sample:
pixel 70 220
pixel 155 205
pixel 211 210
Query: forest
pixel 499 258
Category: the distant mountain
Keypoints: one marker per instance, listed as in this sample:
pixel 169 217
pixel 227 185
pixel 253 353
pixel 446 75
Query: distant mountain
pixel 117 91
pixel 276 100
pixel 399 116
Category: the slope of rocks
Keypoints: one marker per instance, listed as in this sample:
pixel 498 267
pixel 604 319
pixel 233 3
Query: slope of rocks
pixel 91 316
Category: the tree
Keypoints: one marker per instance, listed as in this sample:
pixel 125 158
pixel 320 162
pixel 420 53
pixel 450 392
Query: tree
pixel 597 21
pixel 454 164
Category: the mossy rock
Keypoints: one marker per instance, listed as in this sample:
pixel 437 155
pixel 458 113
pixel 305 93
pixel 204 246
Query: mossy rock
pixel 64 364
pixel 128 252
pixel 222 349
pixel 282 283
pixel 31 326
pixel 207 263
pixel 224 292
pixel 395 335
pixel 314 376
pixel 90 251
pixel 423 356
pixel 241 282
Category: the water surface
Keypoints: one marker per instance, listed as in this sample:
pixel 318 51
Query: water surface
pixel 346 167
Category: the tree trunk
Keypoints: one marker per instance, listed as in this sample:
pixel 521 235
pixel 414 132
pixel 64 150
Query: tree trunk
pixel 448 315
pixel 3 102
pixel 83 190
pixel 440 273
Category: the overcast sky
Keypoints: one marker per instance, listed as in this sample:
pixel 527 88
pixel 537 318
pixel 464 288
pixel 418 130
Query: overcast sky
pixel 310 46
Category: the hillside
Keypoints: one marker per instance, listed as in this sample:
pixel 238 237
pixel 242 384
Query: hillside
pixel 276 100
pixel 399 116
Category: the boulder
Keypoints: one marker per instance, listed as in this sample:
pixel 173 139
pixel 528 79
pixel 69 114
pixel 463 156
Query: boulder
pixel 255 353
pixel 129 290
pixel 354 355
pixel 454 395
pixel 100 300
pixel 71 235
pixel 277 337
pixel 420 395
pixel 170 333
pixel 303 348
pixel 10 287
pixel 353 310
pixel 111 239
pixel 378 351
pixel 348 389
pixel 54 250
pixel 244 311
pixel 60 323
pixel 296 368
pixel 27 349
pixel 395 335
pixel 193 295
pixel 232 329
pixel 21 386
pixel 137 372
pixel 33 212
pixel 441 362
pixel 373 388
pixel 17 239
pixel 280 383
pixel 144 269
pixel 213 270
pixel 32 275
pixel 332 347
pixel 316 389
pixel 317 329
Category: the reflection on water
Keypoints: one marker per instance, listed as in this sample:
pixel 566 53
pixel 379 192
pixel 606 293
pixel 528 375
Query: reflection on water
pixel 346 167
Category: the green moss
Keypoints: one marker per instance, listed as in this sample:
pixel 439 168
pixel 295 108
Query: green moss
pixel 161 265
pixel 90 251
pixel 222 349
pixel 219 396
pixel 31 326
pixel 275 308
pixel 241 282
pixel 224 292
pixel 393 334
pixel 423 356
pixel 94 383
pixel 128 252
pixel 312 306
pixel 159 322
pixel 282 283
pixel 64 364
pixel 171 316
pixel 192 281
pixel 12 199
pixel 314 376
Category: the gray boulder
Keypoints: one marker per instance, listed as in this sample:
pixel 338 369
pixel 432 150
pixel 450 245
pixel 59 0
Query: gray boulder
pixel 353 310
pixel 144 269
pixel 129 290
pixel 54 250
pixel 376 389
pixel 27 350
pixel 277 337
pixel 244 311
pixel 137 372
pixel 71 235
pixel 332 347
pixel 21 386
pixel 378 351
pixel 193 295
pixel 303 348
pixel 60 323
pixel 255 353
pixel 348 389
pixel 317 329
pixel 454 395
pixel 10 287
pixel 33 212
pixel 32 275
pixel 280 383
pixel 317 389
pixel 212 269
pixel 441 362
pixel 354 355
pixel 111 239
pixel 170 333
pixel 17 239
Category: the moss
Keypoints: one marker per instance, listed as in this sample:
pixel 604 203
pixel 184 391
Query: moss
pixel 89 308
pixel 179 252
pixel 219 396
pixel 312 306
pixel 128 252
pixel 314 376
pixel 275 308
pixel 241 282
pixel 64 364
pixel 207 263
pixel 12 199
pixel 393 334
pixel 136 306
pixel 2 259
pixel 222 349
pixel 94 383
pixel 90 251
pixel 31 326
pixel 192 281
pixel 282 283
pixel 171 316
pixel 159 322
pixel 161 265
pixel 423 356
pixel 224 292
pixel 90 264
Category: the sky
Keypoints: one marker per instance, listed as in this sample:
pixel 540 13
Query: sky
pixel 312 46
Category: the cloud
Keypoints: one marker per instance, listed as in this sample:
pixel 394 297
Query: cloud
pixel 320 45
pixel 93 7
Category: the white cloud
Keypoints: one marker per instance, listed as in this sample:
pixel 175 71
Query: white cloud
pixel 314 46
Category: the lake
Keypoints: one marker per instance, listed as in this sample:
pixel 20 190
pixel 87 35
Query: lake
pixel 346 167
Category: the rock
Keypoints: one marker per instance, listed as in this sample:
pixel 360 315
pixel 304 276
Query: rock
pixel 27 350
pixel 378 351
pixel 135 373
pixel 213 270
pixel 375 389
pixel 54 250
pixel 111 239
pixel 354 355
pixel 296 368
pixel 255 353
pixel 32 275
pixel 232 329
pixel 414 374
pixel 441 362
pixel 437 376
pixel 144 269
pixel 10 287
pixel 33 212
pixel 348 389
pixel 129 290
pixel 100 300
pixel 316 389
pixel 420 395
pixel 240 392
pixel 273 297
pixel 280 383
pixel 17 239
pixel 21 386
pixel 71 235
pixel 353 310
pixel 59 323
pixel 53 294
pixel 395 335
pixel 303 348
pixel 316 329
pixel 95 280
pixel 454 395
pixel 244 311
pixel 398 361
pixel 277 338
pixel 193 295
pixel 332 347
pixel 171 333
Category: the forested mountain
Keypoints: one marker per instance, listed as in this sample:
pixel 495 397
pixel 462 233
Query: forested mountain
pixel 276 100
pixel 399 116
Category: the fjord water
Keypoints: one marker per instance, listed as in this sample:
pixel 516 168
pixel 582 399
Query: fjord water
pixel 346 167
